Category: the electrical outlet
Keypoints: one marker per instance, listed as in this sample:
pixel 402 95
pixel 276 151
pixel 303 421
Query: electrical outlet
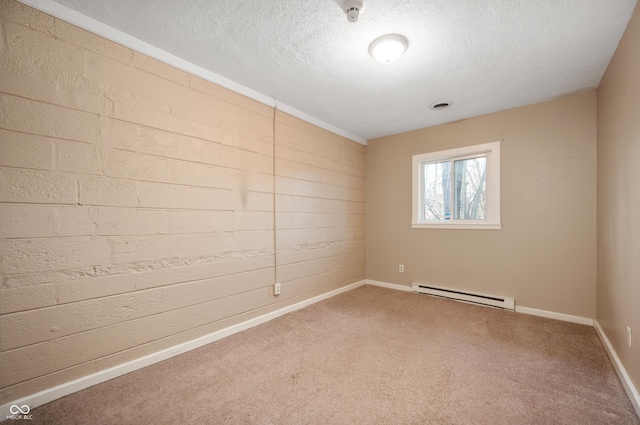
pixel 401 268
pixel 629 336
pixel 276 288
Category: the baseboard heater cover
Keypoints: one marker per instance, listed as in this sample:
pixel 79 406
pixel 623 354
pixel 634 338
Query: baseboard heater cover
pixel 470 297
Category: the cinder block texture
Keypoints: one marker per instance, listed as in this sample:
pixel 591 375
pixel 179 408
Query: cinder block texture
pixel 142 207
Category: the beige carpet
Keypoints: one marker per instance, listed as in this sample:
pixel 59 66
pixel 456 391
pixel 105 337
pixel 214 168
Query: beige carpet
pixel 372 356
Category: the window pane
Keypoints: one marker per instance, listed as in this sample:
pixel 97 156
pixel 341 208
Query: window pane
pixel 437 190
pixel 470 192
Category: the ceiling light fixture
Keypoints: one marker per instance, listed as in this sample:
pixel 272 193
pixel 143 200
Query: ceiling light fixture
pixel 388 48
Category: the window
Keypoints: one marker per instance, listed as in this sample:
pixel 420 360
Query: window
pixel 457 188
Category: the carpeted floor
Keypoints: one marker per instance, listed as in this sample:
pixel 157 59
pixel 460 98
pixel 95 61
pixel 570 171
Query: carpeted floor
pixel 372 356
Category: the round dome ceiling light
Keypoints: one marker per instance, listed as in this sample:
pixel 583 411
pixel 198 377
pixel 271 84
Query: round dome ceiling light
pixel 388 48
pixel 439 106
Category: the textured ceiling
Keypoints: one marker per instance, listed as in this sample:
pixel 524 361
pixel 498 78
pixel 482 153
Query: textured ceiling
pixel 485 56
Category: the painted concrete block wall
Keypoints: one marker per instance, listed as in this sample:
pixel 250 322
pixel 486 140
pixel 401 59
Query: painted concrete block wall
pixel 320 205
pixel 545 254
pixel 138 205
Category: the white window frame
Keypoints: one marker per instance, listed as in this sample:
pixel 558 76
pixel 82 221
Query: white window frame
pixel 492 221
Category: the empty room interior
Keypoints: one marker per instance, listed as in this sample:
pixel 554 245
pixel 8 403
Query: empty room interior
pixel 320 212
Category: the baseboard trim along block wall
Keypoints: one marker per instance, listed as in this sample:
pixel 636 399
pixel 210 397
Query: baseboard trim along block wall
pixel 630 389
pixel 60 391
pixel 55 393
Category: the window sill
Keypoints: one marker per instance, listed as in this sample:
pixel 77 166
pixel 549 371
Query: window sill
pixel 449 225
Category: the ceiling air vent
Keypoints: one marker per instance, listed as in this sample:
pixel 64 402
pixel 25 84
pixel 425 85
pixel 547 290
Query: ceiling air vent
pixel 438 106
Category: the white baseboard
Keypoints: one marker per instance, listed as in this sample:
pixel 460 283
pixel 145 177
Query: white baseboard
pixel 388 285
pixel 518 309
pixel 554 315
pixel 48 395
pixel 630 389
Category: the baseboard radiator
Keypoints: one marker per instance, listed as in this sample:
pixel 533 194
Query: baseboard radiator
pixel 469 297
